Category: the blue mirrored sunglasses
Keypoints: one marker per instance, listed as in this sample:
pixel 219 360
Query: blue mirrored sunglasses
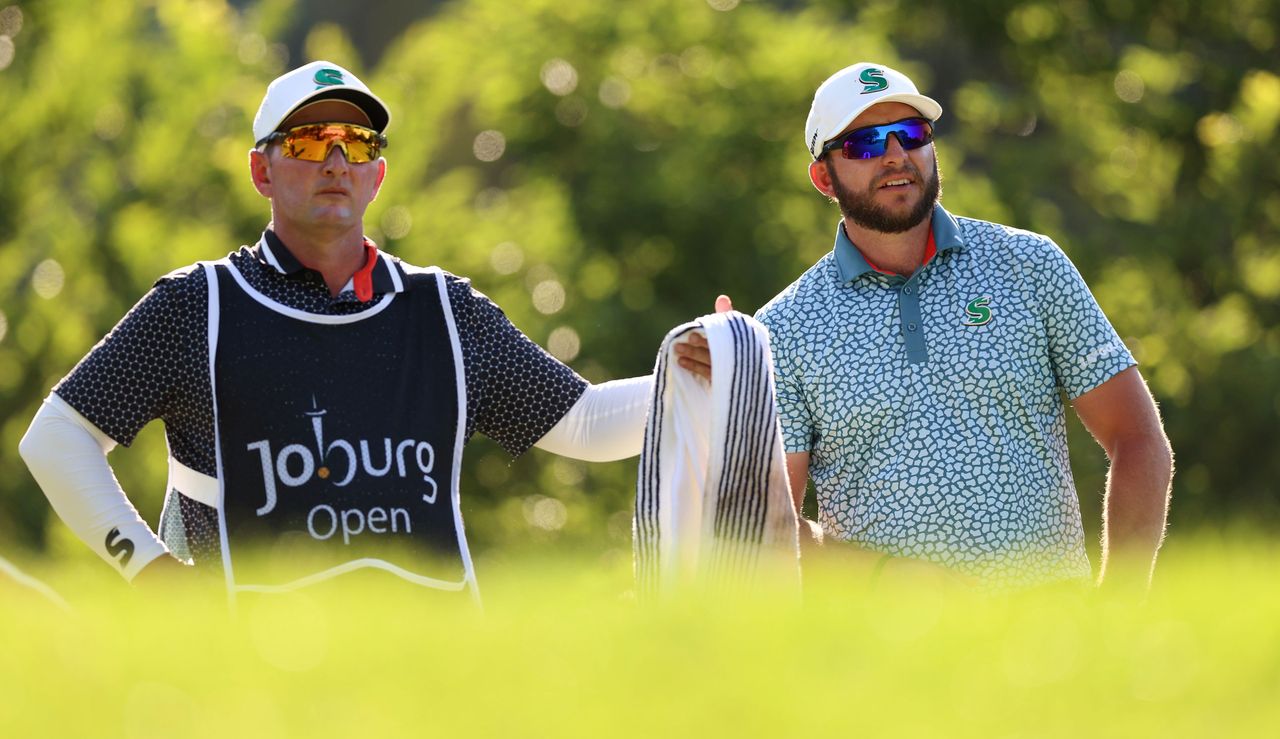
pixel 870 142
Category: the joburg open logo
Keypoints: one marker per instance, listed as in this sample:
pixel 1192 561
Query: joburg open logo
pixel 873 79
pixel 338 462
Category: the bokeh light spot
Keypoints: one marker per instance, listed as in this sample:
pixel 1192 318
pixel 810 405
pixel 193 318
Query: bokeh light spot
pixel 614 92
pixel 564 344
pixel 1129 86
pixel 108 122
pixel 1032 22
pixel 548 297
pixel 252 48
pixel 723 5
pixel 545 513
pixel 559 77
pixel 11 21
pixel 506 258
pixel 489 146
pixel 397 222
pixel 7 52
pixel 1124 159
pixel 1218 129
pixel 696 62
pixel 630 61
pixel 570 472
pixel 48 279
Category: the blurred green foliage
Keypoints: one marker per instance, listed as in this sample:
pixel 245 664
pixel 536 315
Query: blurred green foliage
pixel 603 170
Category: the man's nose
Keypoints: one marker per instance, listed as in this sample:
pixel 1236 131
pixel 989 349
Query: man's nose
pixel 336 161
pixel 893 150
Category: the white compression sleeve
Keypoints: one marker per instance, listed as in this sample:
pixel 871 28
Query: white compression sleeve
pixel 67 455
pixel 606 423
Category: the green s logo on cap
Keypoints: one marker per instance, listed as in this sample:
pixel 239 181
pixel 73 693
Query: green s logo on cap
pixel 326 77
pixel 978 311
pixel 873 79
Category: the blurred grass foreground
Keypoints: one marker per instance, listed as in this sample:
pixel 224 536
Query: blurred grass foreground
pixel 562 649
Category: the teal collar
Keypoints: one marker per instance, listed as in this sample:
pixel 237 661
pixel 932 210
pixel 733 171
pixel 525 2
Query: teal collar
pixel 851 264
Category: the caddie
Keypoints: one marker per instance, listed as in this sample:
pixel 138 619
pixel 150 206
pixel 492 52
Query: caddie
pixel 316 391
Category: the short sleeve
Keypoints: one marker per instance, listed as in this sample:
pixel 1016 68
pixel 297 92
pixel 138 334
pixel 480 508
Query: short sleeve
pixel 134 373
pixel 793 411
pixel 1084 349
pixel 516 391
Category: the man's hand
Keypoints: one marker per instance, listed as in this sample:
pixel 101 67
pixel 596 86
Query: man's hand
pixel 694 354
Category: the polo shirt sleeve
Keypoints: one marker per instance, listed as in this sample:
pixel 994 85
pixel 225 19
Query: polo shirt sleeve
pixel 793 411
pixel 1084 348
pixel 516 391
pixel 138 371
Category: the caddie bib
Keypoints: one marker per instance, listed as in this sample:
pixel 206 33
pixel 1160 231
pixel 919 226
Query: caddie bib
pixel 339 438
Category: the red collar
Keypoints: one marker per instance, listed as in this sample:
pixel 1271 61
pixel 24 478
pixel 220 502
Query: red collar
pixel 362 280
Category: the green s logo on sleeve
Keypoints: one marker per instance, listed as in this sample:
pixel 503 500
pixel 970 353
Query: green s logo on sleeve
pixel 978 311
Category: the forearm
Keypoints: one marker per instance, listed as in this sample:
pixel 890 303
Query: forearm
pixel 67 457
pixel 607 422
pixel 1136 506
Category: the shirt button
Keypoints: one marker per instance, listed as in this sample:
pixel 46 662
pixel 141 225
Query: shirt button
pixel 908 289
pixel 911 327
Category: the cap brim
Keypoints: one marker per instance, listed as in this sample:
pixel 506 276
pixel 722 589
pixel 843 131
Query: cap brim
pixel 372 107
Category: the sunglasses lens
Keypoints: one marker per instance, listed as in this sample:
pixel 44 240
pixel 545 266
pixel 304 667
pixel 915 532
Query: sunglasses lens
pixel 870 142
pixel 314 142
pixel 913 134
pixel 298 147
pixel 865 143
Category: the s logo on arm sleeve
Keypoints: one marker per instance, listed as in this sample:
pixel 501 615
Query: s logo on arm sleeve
pixel 119 547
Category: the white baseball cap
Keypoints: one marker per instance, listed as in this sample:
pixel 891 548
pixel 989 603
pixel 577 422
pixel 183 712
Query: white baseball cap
pixel 852 90
pixel 307 84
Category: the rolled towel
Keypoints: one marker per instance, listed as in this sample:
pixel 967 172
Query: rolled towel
pixel 713 503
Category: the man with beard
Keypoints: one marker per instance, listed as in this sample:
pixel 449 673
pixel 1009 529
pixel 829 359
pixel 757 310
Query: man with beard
pixel 922 363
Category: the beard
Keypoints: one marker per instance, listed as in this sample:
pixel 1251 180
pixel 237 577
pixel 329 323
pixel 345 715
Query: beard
pixel 861 208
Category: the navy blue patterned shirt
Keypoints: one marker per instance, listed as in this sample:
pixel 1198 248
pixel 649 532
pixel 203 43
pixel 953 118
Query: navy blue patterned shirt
pixel 155 364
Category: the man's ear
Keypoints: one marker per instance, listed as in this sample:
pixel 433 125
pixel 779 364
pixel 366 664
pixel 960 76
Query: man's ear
pixel 820 176
pixel 382 175
pixel 260 172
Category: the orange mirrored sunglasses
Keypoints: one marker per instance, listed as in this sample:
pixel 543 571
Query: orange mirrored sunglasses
pixel 313 142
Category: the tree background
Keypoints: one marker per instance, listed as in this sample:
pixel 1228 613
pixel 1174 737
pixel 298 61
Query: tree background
pixel 603 170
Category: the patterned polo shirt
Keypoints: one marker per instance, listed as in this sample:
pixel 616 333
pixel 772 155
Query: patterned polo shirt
pixel 155 364
pixel 932 406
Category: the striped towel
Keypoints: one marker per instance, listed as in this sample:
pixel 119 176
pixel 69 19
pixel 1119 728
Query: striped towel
pixel 712 497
